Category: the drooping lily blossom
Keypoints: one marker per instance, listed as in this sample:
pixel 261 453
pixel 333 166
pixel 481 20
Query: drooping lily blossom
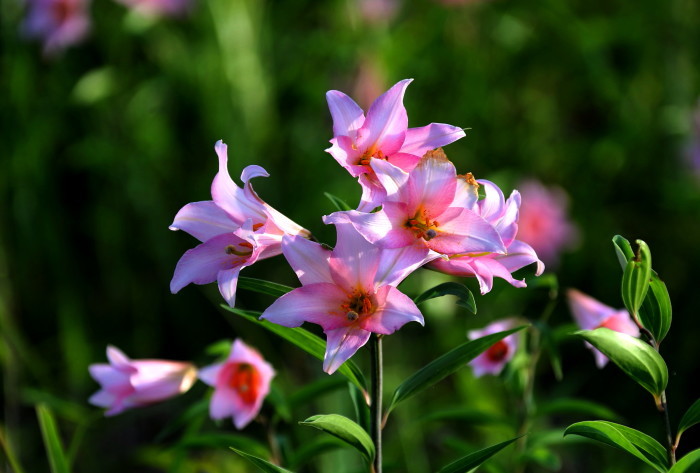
pixel 502 214
pixel 237 228
pixel 134 383
pixel 240 383
pixel 493 360
pixel 544 223
pixel 349 291
pixel 58 23
pixel 591 314
pixel 382 135
pixel 419 210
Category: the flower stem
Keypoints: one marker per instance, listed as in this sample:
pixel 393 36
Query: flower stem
pixel 376 400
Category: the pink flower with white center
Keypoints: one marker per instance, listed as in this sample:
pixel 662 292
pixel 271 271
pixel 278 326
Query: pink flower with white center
pixel 419 211
pixel 58 23
pixel 544 223
pixel 159 7
pixel 134 383
pixel 240 383
pixel 591 314
pixel 493 360
pixel 237 228
pixel 502 214
pixel 382 135
pixel 350 291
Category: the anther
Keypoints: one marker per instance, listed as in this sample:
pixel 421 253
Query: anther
pixel 430 234
pixel 352 315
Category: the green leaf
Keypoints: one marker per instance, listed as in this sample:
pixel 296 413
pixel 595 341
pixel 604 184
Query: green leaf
pixel 337 202
pixel 52 441
pixel 624 438
pixel 362 412
pixel 263 287
pixel 623 250
pixel 465 298
pixel 575 406
pixel 263 465
pixel 9 452
pixel 344 429
pixel 690 463
pixel 445 365
pixel 305 340
pixel 635 280
pixel 636 358
pixel 474 459
pixel 655 313
pixel 690 418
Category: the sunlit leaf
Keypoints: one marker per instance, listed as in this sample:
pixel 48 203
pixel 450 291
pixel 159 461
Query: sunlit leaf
pixel 471 461
pixel 655 313
pixel 445 365
pixel 465 298
pixel 690 463
pixel 337 202
pixel 690 418
pixel 344 429
pixel 624 438
pixel 575 406
pixel 52 441
pixel 263 465
pixel 636 358
pixel 263 287
pixel 635 280
pixel 305 340
pixel 623 250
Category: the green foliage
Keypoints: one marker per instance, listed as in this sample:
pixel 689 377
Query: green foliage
pixel 635 279
pixel 344 429
pixel 444 366
pixel 465 298
pixel 52 440
pixel 337 202
pixel 263 287
pixel 624 438
pixel 564 405
pixel 690 418
pixel 690 463
pixel 473 460
pixel 636 358
pixel 262 465
pixel 655 312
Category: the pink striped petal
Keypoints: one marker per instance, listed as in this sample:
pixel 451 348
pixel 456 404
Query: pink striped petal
pixel 463 231
pixel 421 140
pixel 210 374
pixel 203 220
pixel 492 206
pixel 433 184
pixel 386 123
pixel 228 280
pixel 393 179
pixel 341 344
pixel 316 303
pixel 228 196
pixel 224 403
pixel 519 255
pixel 588 312
pixel 347 155
pixel 404 161
pixel 308 259
pixel 348 117
pixel 397 310
pixel 397 263
pixel 353 262
pixel 373 193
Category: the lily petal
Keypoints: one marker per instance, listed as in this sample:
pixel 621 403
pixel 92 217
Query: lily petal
pixel 463 231
pixel 203 220
pixel 421 140
pixel 398 310
pixel 308 259
pixel 341 344
pixel 354 261
pixel 317 303
pixel 386 122
pixel 348 117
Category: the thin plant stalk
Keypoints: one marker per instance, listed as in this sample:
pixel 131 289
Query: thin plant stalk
pixel 376 400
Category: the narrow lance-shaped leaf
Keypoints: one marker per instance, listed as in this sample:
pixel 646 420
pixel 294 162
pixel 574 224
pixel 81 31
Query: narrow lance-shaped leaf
pixel 305 340
pixel 263 287
pixel 690 463
pixel 339 203
pixel 624 438
pixel 52 441
pixel 262 465
pixel 346 430
pixel 689 419
pixel 635 280
pixel 655 313
pixel 445 365
pixel 623 250
pixel 9 452
pixel 474 459
pixel 636 358
pixel 465 298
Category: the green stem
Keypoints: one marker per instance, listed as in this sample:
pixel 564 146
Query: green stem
pixel 376 400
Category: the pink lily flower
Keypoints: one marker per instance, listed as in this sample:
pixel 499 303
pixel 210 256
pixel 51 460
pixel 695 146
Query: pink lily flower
pixel 237 228
pixel 383 135
pixel 493 360
pixel 240 383
pixel 349 291
pixel 544 223
pixel 59 23
pixel 591 314
pixel 502 214
pixel 419 211
pixel 134 383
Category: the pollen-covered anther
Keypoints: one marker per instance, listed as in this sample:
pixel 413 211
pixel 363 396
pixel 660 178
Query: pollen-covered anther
pixel 352 315
pixel 257 226
pixel 231 249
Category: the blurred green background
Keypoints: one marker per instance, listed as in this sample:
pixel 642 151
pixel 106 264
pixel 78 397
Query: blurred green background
pixel 102 145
